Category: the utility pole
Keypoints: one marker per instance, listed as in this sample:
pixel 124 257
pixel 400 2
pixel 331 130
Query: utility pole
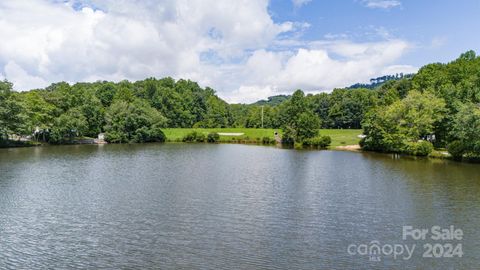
pixel 262 116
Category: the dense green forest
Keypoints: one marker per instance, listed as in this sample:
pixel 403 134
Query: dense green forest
pixel 438 106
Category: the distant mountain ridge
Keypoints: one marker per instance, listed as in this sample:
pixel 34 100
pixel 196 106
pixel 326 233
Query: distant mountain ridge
pixel 375 82
pixel 273 100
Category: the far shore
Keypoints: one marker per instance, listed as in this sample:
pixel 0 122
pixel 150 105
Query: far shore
pixel 342 139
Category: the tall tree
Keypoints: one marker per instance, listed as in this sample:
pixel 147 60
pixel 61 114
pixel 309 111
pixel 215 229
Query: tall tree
pixel 11 117
pixel 391 128
pixel 297 120
pixel 133 122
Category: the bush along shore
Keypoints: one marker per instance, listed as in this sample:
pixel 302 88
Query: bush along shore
pixel 214 137
pixel 436 108
pixel 324 138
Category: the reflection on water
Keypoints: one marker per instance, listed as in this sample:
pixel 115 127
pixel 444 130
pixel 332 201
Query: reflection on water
pixel 225 206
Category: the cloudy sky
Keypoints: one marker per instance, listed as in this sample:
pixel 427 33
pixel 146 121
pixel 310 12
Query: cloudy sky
pixel 245 49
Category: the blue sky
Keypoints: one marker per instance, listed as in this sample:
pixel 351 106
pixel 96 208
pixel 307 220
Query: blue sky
pixel 245 49
pixel 440 30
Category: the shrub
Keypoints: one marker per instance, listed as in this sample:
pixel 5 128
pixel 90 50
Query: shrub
pixel 200 137
pixel 267 140
pixel 140 135
pixel 288 136
pixel 115 137
pixel 326 140
pixel 297 146
pixel 155 134
pixel 287 140
pixel 213 137
pixel 471 157
pixel 194 137
pixel 318 142
pixel 438 154
pixel 420 148
pixel 190 137
pixel 456 149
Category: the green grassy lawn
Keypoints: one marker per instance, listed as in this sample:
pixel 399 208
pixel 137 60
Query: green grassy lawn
pixel 176 134
pixel 339 136
pixel 342 136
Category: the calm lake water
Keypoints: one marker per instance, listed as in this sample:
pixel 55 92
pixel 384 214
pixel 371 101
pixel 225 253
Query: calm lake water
pixel 170 206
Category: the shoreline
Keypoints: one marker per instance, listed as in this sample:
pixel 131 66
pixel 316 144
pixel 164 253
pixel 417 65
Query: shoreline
pixel 436 155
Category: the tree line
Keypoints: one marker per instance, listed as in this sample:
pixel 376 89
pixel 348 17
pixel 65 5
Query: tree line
pixel 438 106
pixel 375 82
pixel 136 111
pixel 124 111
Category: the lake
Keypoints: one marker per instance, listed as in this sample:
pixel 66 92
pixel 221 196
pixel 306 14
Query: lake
pixel 225 206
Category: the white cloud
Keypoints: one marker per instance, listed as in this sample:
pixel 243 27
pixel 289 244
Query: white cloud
pixel 314 69
pixel 24 81
pixel 232 46
pixel 385 4
pixel 123 39
pixel 252 93
pixel 394 69
pixel 300 3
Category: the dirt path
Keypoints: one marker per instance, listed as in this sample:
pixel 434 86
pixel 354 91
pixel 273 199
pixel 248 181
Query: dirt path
pixel 354 147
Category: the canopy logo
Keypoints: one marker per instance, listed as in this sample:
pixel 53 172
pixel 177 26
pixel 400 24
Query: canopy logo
pixel 374 250
pixel 443 247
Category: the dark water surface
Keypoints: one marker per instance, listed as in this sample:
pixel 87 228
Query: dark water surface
pixel 198 206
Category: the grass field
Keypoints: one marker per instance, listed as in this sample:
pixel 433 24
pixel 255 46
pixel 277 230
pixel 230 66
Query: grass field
pixel 342 136
pixel 176 134
pixel 339 136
